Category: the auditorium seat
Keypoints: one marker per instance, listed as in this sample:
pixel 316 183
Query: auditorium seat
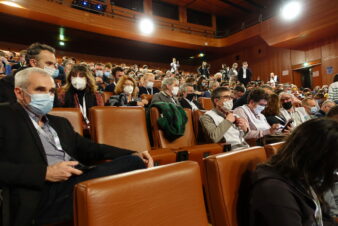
pixel 73 115
pixel 125 127
pixel 205 102
pixel 272 149
pixel 158 84
pixel 185 143
pixel 106 96
pixel 169 195
pixel 228 185
pixel 198 130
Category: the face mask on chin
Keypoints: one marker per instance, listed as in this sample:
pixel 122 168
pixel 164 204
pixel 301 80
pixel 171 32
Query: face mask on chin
pixel 40 104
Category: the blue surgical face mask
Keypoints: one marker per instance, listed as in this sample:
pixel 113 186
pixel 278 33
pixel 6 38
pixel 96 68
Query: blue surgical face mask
pixel 99 73
pixel 52 71
pixel 107 73
pixel 314 110
pixel 259 109
pixel 40 104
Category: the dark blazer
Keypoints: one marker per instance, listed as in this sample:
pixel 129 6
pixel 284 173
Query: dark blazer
pixel 246 80
pixel 184 103
pixel 23 160
pixel 279 201
pixel 110 88
pixel 143 90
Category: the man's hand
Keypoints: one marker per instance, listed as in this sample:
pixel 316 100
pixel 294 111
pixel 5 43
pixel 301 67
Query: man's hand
pixel 61 171
pixel 147 159
pixel 274 128
pixel 230 117
pixel 241 123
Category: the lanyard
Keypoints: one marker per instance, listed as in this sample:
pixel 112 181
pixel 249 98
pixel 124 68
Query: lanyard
pixel 56 142
pixel 152 91
pixel 83 109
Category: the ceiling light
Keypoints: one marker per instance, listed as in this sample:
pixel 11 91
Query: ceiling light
pixel 146 26
pixel 10 3
pixel 291 10
pixel 201 55
pixel 62 43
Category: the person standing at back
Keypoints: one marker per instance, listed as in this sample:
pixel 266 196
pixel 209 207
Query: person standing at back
pixel 244 74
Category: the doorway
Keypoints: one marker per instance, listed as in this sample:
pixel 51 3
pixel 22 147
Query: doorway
pixel 303 77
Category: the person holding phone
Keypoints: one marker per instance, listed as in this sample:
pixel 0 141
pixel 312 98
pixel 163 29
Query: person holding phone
pixel 221 125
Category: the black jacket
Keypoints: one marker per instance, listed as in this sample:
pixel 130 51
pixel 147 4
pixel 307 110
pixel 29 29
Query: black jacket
pixel 143 90
pixel 184 103
pixel 279 201
pixel 246 80
pixel 23 160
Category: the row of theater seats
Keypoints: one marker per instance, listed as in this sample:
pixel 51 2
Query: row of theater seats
pixel 205 102
pixel 126 127
pixel 172 194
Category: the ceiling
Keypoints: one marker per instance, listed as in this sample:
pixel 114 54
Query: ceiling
pixel 24 31
pixel 232 13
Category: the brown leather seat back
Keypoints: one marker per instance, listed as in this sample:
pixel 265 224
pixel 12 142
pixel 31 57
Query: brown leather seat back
pixel 106 96
pixel 188 139
pixel 272 149
pixel 169 195
pixel 73 115
pixel 198 130
pixel 123 127
pixel 158 84
pixel 228 184
pixel 206 103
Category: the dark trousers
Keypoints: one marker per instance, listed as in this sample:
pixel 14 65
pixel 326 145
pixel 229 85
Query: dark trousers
pixel 57 199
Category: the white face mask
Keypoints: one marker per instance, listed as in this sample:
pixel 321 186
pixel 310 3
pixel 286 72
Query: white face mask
pixel 149 85
pixel 228 105
pixel 175 91
pixel 79 83
pixel 259 109
pixel 128 89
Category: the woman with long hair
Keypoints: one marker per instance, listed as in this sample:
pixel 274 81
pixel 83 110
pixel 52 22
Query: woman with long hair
pixel 289 189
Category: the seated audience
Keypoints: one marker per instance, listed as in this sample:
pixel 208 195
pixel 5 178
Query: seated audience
pixel 333 90
pixel 43 169
pixel 189 98
pixel 202 87
pixel 170 88
pixel 325 108
pixel 272 110
pixel 289 112
pixel 117 73
pixel 238 92
pixel 126 93
pixel 252 112
pixel 220 124
pixel 22 60
pixel 289 188
pixel 310 106
pixel 80 92
pixel 148 85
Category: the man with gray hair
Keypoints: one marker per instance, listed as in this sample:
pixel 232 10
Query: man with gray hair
pixel 325 108
pixel 170 88
pixel 189 98
pixel 42 156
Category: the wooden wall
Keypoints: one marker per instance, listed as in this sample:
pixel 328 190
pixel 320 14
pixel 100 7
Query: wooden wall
pixel 264 59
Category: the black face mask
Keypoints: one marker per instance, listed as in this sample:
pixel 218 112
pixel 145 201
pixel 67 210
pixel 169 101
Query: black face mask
pixel 219 80
pixel 287 105
pixel 190 96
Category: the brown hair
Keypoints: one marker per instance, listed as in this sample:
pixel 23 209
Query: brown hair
pixel 119 86
pixel 83 70
pixel 273 106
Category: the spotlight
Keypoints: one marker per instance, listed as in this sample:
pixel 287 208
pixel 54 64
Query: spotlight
pixel 146 26
pixel 201 55
pixel 85 3
pixel 291 10
pixel 99 7
pixel 62 43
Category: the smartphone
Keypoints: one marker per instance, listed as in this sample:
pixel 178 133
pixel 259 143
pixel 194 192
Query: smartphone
pixel 84 168
pixel 287 125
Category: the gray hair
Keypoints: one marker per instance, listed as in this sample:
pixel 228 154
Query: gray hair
pixel 168 81
pixel 22 77
pixel 328 102
pixel 184 87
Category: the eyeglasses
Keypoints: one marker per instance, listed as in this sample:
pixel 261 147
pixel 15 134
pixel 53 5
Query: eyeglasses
pixel 227 97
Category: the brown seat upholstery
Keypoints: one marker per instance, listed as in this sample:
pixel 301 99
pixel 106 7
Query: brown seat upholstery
pixel 187 142
pixel 106 96
pixel 125 127
pixel 228 184
pixel 198 130
pixel 73 115
pixel 272 149
pixel 158 84
pixel 206 103
pixel 168 196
